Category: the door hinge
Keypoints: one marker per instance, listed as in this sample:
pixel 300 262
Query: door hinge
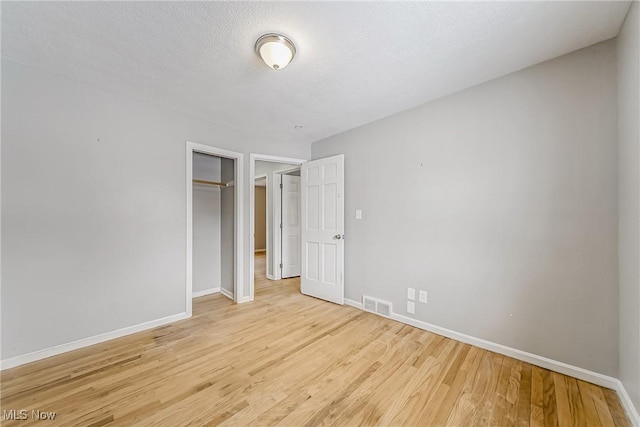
pixel 281 186
pixel 280 225
pixel 280 265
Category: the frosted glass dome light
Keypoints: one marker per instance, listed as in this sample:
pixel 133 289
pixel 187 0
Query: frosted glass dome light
pixel 276 50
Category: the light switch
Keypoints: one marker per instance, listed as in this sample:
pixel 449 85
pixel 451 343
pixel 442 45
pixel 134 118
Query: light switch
pixel 358 213
pixel 411 294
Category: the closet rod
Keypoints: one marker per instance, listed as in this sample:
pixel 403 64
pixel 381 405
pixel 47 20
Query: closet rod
pixel 220 184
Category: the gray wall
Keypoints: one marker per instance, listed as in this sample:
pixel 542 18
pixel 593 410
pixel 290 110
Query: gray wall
pixel 94 232
pixel 206 223
pixel 227 224
pixel 499 200
pixel 629 202
pixel 260 217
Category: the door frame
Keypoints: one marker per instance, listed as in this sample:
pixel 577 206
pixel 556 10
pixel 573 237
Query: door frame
pixel 253 157
pixel 194 147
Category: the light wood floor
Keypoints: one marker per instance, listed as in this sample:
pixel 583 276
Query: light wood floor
pixel 291 360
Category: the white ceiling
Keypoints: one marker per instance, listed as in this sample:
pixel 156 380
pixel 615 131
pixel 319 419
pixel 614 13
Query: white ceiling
pixel 357 61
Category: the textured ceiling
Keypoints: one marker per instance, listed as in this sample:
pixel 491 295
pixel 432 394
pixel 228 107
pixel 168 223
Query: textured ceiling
pixel 357 61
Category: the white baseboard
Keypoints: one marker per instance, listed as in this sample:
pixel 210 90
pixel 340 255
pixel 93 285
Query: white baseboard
pixel 86 342
pixel 353 303
pixel 534 359
pixel 271 277
pixel 226 293
pixel 627 403
pixel 260 250
pixel 244 299
pixel 198 294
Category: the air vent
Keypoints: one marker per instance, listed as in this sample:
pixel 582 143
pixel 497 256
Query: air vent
pixel 369 305
pixel 376 306
pixel 384 309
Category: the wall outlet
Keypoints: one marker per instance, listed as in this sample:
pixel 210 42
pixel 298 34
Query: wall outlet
pixel 423 296
pixel 411 294
pixel 411 307
pixel 358 213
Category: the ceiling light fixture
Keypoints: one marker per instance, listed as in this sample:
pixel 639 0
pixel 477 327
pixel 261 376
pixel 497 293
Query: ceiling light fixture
pixel 275 50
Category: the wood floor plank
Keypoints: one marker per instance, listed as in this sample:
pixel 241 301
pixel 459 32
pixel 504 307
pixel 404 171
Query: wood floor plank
pixel 588 403
pixel 550 405
pixel 578 414
pixel 537 397
pixel 592 393
pixel 421 395
pixel 455 390
pixel 499 413
pixel 562 400
pixel 288 359
pixel 491 368
pixel 370 403
pixel 513 393
pixel 523 414
pixel 615 408
pixel 465 407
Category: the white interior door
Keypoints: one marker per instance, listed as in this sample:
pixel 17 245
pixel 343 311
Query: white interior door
pixel 322 192
pixel 290 226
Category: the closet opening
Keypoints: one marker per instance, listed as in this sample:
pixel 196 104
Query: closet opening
pixel 214 223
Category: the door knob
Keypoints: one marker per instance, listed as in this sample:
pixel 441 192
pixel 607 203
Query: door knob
pixel 338 236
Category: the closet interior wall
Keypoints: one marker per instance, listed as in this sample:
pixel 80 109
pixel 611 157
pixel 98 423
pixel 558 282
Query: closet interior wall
pixel 213 224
